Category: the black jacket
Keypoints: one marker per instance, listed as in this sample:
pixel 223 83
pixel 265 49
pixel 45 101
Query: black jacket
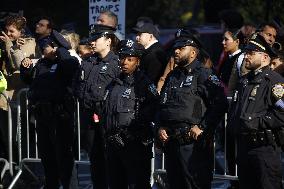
pixel 260 102
pixel 51 80
pixel 131 100
pixel 93 77
pixel 192 95
pixel 154 61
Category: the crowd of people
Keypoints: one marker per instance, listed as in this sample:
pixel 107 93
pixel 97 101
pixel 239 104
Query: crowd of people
pixel 134 94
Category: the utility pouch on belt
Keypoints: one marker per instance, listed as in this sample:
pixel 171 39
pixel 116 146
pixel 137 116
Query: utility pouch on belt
pixel 116 141
pixel 182 136
pixel 279 137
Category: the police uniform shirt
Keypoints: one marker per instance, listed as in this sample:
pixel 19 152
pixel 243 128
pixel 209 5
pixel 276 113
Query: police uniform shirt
pixel 94 77
pixel 260 104
pixel 192 95
pixel 131 98
pixel 49 79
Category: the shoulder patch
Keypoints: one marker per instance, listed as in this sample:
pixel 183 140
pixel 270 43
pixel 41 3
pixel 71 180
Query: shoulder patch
pixel 214 79
pixel 278 90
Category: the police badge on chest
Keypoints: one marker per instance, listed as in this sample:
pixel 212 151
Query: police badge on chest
pixel 253 92
pixel 104 68
pixel 126 93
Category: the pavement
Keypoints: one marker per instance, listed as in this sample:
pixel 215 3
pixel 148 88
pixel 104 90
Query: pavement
pixel 83 178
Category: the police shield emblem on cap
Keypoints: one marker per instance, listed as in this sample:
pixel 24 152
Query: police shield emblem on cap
pixel 253 36
pixel 129 43
pixel 254 90
pixel 278 90
pixel 178 33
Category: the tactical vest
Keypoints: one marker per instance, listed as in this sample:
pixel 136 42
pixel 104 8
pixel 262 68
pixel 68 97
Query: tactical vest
pixel 180 102
pixel 131 103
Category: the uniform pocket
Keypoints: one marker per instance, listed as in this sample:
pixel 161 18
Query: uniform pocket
pixel 125 111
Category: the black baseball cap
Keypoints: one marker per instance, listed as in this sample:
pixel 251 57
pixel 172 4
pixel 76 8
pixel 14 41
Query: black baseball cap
pixel 54 39
pixel 147 28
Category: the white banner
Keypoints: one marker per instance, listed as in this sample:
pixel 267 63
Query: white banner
pixel 116 6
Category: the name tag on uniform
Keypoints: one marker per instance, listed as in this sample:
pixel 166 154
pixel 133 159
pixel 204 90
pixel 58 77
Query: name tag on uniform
pixel 82 75
pixel 187 82
pixel 53 68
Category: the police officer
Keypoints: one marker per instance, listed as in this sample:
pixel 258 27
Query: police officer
pixel 130 109
pixel 94 76
pixel 51 97
pixel 192 104
pixel 258 119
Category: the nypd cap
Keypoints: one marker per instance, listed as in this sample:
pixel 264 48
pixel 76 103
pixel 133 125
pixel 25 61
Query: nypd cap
pixel 184 38
pixel 54 39
pixel 258 43
pixel 130 48
pixel 98 30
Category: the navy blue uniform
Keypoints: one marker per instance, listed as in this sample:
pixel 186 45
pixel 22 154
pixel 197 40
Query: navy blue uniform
pixel 192 95
pixel 93 79
pixel 53 104
pixel 257 120
pixel 130 109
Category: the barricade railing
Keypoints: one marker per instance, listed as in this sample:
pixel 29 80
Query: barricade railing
pixel 22 161
pixel 8 164
pixel 35 159
pixel 225 176
pixel 156 172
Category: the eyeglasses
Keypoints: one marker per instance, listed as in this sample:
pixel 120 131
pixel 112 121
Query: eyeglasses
pixel 40 24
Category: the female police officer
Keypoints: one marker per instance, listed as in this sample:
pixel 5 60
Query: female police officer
pixel 95 75
pixel 130 109
pixel 50 94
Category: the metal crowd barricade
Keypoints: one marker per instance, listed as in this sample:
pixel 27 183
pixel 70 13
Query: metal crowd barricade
pixel 225 176
pixel 157 173
pixel 8 164
pixel 22 161
pixel 29 159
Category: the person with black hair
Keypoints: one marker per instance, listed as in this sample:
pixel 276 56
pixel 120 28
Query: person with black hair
pixel 130 109
pixel 277 63
pixel 192 104
pixel 269 32
pixel 44 27
pixel 231 48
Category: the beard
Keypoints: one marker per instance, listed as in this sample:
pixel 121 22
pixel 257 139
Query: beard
pixel 252 65
pixel 181 61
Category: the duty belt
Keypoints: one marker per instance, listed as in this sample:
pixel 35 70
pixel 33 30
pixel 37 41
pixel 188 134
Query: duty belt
pixel 120 136
pixel 181 135
pixel 258 138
